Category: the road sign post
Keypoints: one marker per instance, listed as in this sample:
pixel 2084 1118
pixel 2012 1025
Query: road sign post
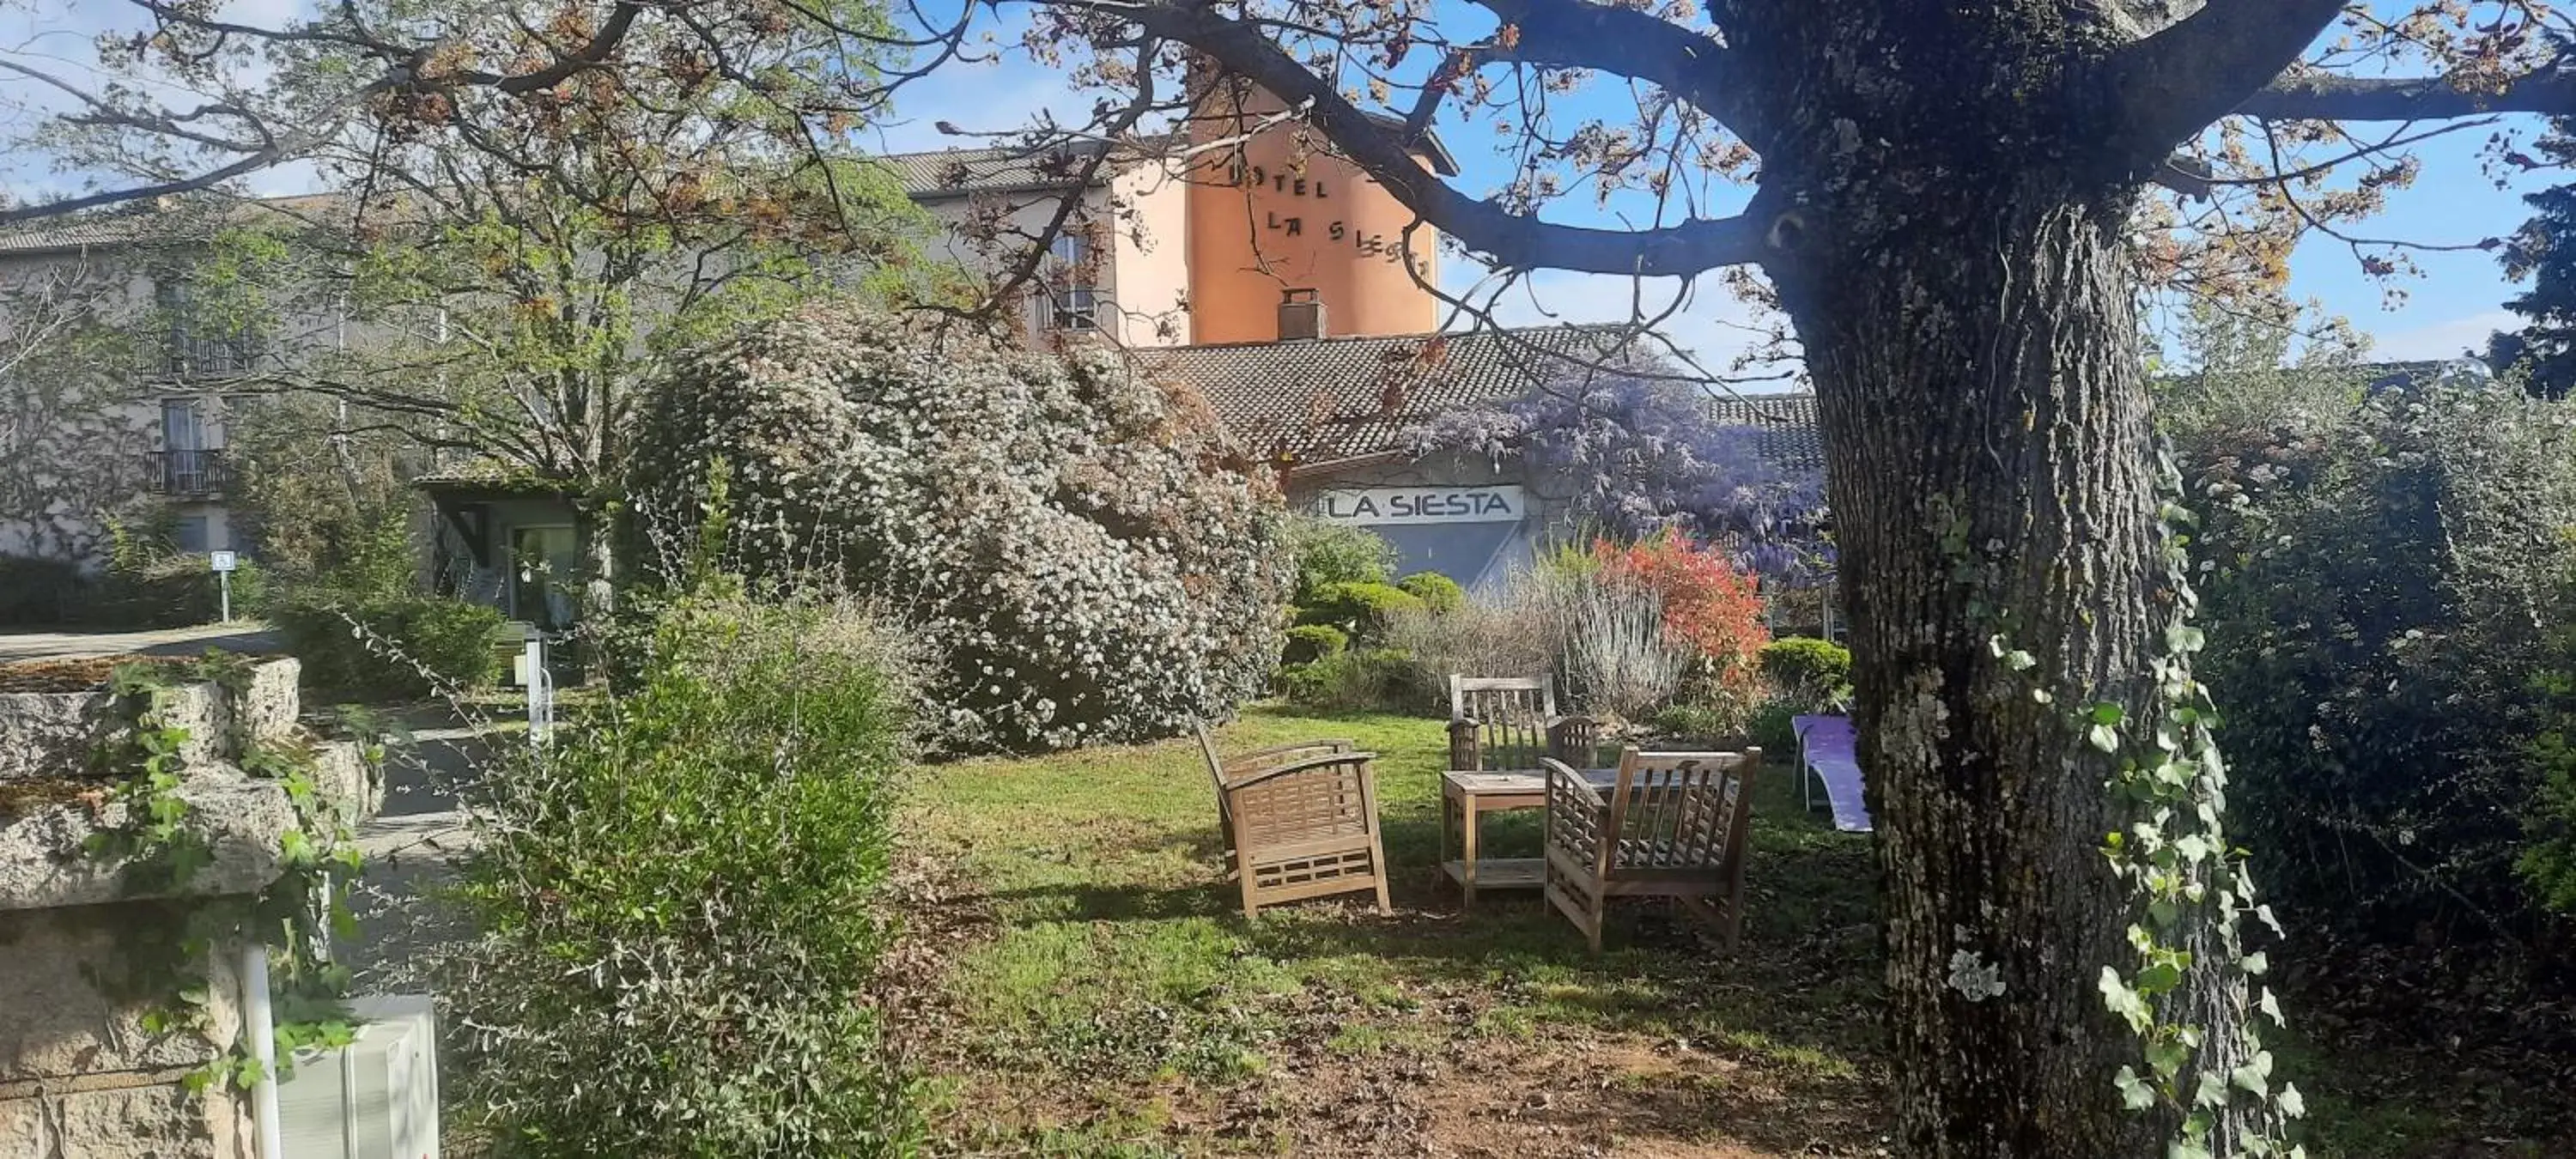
pixel 223 563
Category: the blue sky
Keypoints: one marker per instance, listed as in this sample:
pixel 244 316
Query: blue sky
pixel 2451 308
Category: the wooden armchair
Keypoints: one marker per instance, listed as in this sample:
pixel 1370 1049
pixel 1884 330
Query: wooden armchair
pixel 1300 821
pixel 1501 723
pixel 1674 825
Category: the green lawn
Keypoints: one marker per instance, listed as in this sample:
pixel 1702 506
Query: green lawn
pixel 1079 977
pixel 1100 994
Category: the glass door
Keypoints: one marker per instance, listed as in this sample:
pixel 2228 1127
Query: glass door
pixel 545 574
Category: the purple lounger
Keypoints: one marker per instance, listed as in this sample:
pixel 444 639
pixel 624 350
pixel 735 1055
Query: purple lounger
pixel 1828 748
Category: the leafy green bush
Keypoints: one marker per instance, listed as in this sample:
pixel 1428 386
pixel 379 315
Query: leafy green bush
pixel 2548 861
pixel 1698 726
pixel 2373 578
pixel 1815 673
pixel 1438 592
pixel 1357 681
pixel 680 903
pixel 390 646
pixel 1334 553
pixel 1308 643
pixel 1773 727
pixel 1361 609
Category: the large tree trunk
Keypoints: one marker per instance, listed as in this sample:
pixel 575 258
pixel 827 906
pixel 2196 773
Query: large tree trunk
pixel 1993 482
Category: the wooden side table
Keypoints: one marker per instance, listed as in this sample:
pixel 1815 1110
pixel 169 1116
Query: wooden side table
pixel 1464 800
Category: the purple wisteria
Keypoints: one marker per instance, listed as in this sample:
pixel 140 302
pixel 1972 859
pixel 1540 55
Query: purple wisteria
pixel 1641 456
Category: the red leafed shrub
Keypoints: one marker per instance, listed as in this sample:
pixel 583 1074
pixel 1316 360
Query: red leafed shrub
pixel 1706 601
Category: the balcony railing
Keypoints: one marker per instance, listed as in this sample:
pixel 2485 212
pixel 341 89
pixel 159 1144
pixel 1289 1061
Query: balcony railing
pixel 190 473
pixel 195 357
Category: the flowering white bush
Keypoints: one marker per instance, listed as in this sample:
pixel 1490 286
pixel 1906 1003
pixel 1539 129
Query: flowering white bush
pixel 1072 540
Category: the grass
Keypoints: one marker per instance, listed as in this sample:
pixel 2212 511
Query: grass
pixel 1103 997
pixel 1079 977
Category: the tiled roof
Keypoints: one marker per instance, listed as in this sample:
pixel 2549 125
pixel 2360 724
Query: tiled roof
pixel 1327 399
pixel 960 172
pixel 125 225
pixel 1785 426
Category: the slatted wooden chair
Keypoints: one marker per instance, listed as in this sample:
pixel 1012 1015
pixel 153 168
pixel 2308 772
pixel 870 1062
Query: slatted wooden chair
pixel 1300 821
pixel 1675 825
pixel 1502 723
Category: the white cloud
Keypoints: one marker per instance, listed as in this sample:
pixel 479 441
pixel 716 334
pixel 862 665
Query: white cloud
pixel 2445 339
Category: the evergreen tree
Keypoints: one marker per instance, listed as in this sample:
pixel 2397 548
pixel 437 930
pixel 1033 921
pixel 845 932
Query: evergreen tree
pixel 2543 253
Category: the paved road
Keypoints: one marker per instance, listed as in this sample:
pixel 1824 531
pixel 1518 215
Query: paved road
pixel 239 636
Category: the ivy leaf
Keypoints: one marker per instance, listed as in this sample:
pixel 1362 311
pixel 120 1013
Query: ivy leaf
pixel 2124 1001
pixel 2103 738
pixel 2135 1094
pixel 2167 1058
pixel 2291 1102
pixel 2106 713
pixel 2256 963
pixel 2272 1007
pixel 2018 660
pixel 2255 1075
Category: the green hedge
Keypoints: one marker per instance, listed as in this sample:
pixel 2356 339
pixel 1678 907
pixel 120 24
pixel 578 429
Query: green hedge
pixel 1308 643
pixel 1360 609
pixel 390 646
pixel 1436 591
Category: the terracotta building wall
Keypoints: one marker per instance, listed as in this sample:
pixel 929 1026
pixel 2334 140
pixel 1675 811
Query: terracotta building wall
pixel 1281 212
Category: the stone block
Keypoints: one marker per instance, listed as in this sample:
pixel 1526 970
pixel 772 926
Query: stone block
pixel 43 861
pixel 153 1121
pixel 22 1129
pixel 82 980
pixel 268 709
pixel 205 710
pixel 343 777
pixel 47 734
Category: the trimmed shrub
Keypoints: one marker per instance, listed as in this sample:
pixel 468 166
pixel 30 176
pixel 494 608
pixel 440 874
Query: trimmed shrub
pixel 1068 540
pixel 1308 643
pixel 680 903
pixel 390 646
pixel 1361 609
pixel 1357 681
pixel 1811 672
pixel 1438 592
pixel 1334 553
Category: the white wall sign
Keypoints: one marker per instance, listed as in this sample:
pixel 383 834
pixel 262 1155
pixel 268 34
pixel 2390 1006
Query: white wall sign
pixel 1384 506
pixel 221 560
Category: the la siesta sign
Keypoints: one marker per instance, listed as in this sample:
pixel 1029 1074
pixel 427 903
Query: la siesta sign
pixel 1382 506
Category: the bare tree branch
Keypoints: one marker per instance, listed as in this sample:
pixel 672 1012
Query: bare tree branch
pixel 2340 98
pixel 2164 89
pixel 1511 239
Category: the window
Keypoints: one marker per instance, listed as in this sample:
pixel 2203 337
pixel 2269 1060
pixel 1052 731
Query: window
pixel 546 566
pixel 202 345
pixel 192 534
pixel 1071 300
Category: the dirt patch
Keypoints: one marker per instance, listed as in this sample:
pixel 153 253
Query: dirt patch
pixel 87 674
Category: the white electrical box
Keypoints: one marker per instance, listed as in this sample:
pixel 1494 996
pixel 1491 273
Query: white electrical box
pixel 376 1098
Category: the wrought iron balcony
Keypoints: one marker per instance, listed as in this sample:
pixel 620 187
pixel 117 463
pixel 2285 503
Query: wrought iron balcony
pixel 190 473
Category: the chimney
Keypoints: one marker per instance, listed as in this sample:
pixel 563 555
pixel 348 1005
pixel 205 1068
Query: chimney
pixel 1301 315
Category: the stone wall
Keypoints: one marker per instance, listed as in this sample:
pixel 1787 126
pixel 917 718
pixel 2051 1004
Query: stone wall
pixel 93 948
